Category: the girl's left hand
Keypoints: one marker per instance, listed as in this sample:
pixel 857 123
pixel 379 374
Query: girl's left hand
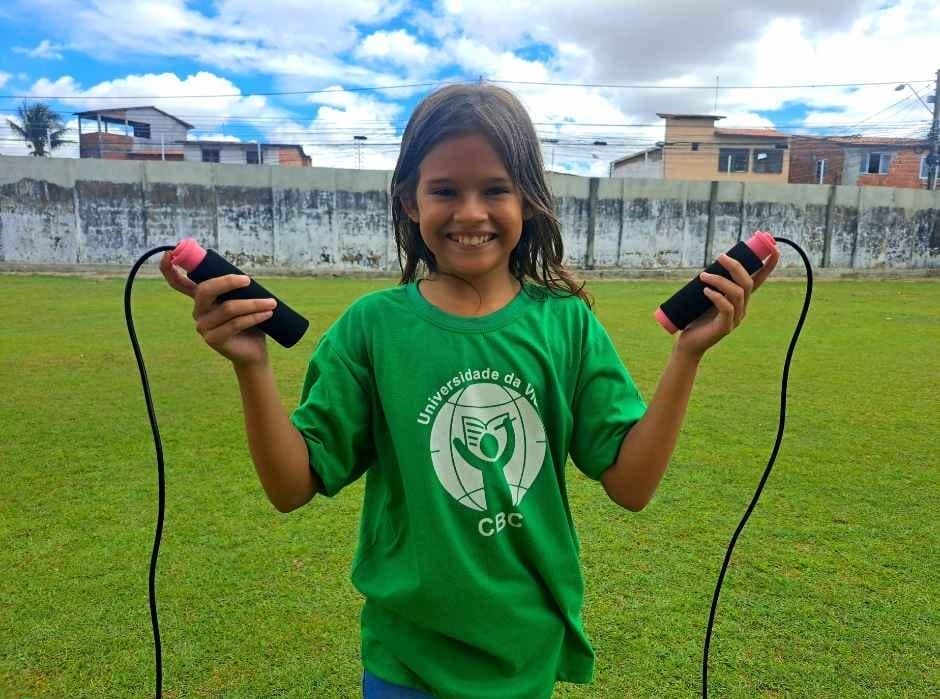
pixel 730 298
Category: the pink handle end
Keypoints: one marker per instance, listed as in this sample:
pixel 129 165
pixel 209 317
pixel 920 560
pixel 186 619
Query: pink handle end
pixel 188 254
pixel 663 320
pixel 763 244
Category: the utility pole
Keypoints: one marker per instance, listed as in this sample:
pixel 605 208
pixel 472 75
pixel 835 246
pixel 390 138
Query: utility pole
pixel 933 161
pixel 359 140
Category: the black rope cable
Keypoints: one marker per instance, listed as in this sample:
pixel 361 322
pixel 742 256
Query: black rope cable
pixel 159 447
pixel 773 456
pixel 162 479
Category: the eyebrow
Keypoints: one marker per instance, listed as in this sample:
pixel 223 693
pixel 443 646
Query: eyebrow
pixel 446 180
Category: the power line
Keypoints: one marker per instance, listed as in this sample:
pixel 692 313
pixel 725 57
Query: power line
pixel 214 118
pixel 379 88
pixel 699 87
pixel 565 129
pixel 872 116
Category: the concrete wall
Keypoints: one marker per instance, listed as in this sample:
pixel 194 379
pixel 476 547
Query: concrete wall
pixel 69 211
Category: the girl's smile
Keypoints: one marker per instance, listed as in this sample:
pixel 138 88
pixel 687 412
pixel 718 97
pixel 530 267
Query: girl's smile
pixel 470 241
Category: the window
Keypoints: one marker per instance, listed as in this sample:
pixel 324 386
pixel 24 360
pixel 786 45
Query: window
pixel 924 169
pixel 210 155
pixel 141 130
pixel 251 156
pixel 769 160
pixel 695 146
pixel 875 163
pixel 820 170
pixel 733 159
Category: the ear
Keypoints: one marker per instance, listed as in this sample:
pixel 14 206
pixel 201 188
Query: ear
pixel 411 208
pixel 527 213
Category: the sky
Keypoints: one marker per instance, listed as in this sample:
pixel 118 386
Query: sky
pixel 592 74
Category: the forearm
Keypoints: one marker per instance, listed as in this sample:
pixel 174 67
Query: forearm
pixel 277 448
pixel 647 448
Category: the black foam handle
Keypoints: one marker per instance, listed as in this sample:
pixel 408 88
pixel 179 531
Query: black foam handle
pixel 285 326
pixel 690 301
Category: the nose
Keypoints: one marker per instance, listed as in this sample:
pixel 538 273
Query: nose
pixel 470 209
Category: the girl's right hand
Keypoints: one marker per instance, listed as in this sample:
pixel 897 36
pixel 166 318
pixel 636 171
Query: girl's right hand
pixel 229 327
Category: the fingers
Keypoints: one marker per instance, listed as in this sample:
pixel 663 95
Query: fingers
pixel 175 277
pixel 207 292
pixel 736 292
pixel 229 316
pixel 726 310
pixel 738 273
pixel 219 335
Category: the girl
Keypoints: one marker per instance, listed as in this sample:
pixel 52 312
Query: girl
pixel 460 394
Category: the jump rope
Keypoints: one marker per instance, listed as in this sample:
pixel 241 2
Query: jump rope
pixel 286 327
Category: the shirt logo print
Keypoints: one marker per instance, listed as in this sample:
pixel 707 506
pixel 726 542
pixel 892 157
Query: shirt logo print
pixel 487 446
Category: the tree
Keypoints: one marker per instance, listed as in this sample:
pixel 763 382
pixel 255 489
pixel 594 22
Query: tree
pixel 40 126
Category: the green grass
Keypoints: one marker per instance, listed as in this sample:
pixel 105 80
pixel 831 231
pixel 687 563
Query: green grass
pixel 832 591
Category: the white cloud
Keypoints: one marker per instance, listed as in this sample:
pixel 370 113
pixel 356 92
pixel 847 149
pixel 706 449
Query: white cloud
pixel 290 38
pixel 886 46
pixel 213 137
pixel 780 42
pixel 45 49
pixel 4 78
pixel 398 47
pixel 329 138
pixel 305 46
pixel 303 26
pixel 477 58
pixel 168 92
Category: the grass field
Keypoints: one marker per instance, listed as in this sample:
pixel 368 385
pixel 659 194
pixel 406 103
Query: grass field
pixel 833 591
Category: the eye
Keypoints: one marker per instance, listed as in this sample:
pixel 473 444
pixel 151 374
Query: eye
pixel 442 192
pixel 494 191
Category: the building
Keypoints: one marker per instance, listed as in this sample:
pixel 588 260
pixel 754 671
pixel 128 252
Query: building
pixel 135 133
pixel 859 160
pixel 241 153
pixel 646 163
pixel 148 133
pixel 695 149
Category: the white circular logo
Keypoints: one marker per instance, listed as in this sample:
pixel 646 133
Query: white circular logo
pixel 487 446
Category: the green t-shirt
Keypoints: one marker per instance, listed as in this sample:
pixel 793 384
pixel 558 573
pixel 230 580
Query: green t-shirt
pixel 467 555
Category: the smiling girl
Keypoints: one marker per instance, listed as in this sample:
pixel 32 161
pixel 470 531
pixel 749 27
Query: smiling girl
pixel 460 394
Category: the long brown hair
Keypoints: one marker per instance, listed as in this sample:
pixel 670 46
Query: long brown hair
pixel 498 115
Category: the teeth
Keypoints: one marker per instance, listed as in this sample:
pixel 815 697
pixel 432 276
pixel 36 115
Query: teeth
pixel 472 241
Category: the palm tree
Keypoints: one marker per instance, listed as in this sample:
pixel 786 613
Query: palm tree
pixel 40 126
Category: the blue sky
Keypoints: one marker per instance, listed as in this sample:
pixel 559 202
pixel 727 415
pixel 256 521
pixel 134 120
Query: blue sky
pixel 171 53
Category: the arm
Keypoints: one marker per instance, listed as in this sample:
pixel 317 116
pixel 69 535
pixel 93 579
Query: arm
pixel 277 448
pixel 645 451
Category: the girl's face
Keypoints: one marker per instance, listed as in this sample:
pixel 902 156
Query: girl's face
pixel 469 211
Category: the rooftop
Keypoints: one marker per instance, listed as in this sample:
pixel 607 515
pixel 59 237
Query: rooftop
pixel 755 133
pixel 712 117
pixel 120 113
